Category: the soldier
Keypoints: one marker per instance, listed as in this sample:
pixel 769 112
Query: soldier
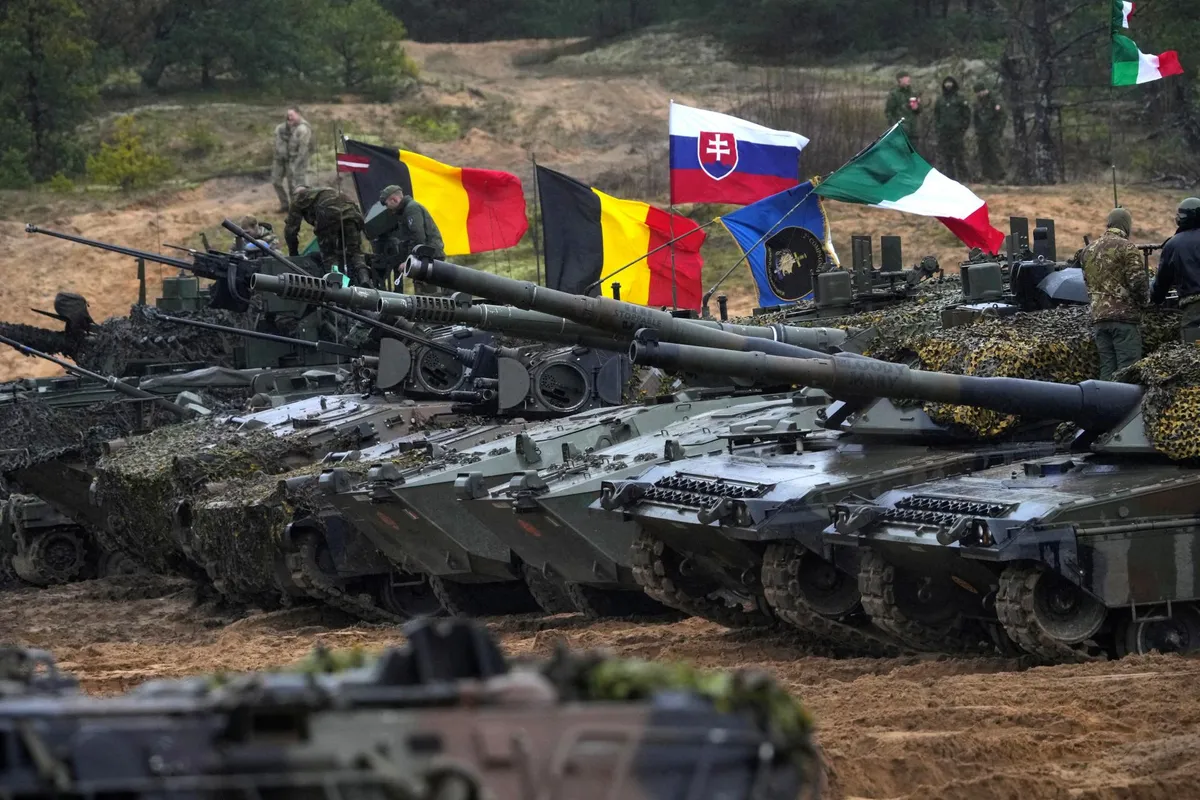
pixel 259 231
pixel 1179 263
pixel 293 146
pixel 337 224
pixel 1117 284
pixel 414 226
pixel 989 127
pixel 951 119
pixel 904 103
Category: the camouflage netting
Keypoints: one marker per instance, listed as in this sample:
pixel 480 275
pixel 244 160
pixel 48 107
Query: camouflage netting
pixel 141 337
pixel 114 343
pixel 236 531
pixel 34 431
pixel 1171 409
pixel 141 484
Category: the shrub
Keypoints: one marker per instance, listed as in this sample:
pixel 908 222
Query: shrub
pixel 61 184
pixel 14 169
pixel 200 141
pixel 125 161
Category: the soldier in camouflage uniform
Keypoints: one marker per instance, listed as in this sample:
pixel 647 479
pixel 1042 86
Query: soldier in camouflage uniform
pixel 951 119
pixel 904 103
pixel 988 120
pixel 293 147
pixel 414 226
pixel 337 224
pixel 1117 286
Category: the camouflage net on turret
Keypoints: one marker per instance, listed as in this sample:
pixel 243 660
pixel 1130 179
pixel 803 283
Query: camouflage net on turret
pixel 141 484
pixel 236 530
pixel 1171 408
pixel 35 432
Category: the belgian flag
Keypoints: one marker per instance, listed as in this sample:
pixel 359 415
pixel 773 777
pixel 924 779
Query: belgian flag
pixel 476 210
pixel 589 234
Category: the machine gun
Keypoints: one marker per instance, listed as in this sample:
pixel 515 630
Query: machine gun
pixel 230 271
pixel 443 717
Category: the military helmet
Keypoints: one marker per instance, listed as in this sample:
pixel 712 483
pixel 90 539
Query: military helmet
pixel 950 83
pixel 247 223
pixel 1187 215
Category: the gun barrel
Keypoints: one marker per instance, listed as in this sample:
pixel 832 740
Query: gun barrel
pixel 615 316
pixel 112 383
pixel 1096 405
pixel 321 345
pixel 112 248
pixel 438 311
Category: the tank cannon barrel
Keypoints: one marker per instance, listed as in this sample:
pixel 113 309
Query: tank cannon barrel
pixel 624 319
pixel 1095 405
pixel 439 311
pixel 113 383
pixel 112 248
pixel 320 345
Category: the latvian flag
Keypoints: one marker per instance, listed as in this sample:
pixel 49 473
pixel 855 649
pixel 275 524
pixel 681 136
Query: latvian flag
pixel 890 174
pixel 476 210
pixel 1130 65
pixel 716 158
pixel 347 162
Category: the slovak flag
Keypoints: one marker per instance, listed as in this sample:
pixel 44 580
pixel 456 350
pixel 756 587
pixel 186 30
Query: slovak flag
pixel 716 158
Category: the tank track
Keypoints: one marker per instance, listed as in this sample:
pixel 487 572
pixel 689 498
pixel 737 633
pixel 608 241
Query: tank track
pixel 551 596
pixel 609 603
pixel 652 569
pixel 875 583
pixel 783 593
pixel 483 599
pixel 42 564
pixel 307 575
pixel 1014 607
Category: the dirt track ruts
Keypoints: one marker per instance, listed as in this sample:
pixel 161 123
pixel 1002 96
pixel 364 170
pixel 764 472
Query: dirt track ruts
pixel 974 729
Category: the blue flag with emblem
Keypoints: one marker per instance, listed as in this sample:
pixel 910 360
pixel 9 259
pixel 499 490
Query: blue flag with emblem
pixel 786 240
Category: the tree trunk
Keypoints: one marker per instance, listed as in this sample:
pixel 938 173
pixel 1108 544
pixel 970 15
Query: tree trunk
pixel 1045 149
pixel 206 76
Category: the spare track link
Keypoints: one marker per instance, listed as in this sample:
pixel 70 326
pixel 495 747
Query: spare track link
pixel 617 603
pixel 876 579
pixel 783 593
pixel 307 575
pixel 652 569
pixel 1014 607
pixel 551 596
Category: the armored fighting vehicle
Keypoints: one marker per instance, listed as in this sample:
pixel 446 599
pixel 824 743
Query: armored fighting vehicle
pixel 1075 555
pixel 412 515
pixel 446 709
pixel 543 514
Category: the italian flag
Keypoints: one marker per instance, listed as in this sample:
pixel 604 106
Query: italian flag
pixel 1130 65
pixel 890 174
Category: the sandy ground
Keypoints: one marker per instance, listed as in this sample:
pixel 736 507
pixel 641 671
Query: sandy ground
pixel 974 729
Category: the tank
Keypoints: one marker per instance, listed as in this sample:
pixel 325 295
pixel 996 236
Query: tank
pixel 43 547
pixel 593 726
pixel 543 514
pixel 1082 554
pixel 412 515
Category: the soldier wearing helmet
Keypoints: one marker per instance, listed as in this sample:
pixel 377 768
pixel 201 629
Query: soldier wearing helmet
pixel 1179 263
pixel 1116 283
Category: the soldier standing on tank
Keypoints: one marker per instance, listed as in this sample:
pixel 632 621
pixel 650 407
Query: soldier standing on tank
pixel 904 103
pixel 988 120
pixel 1179 264
pixel 415 226
pixel 337 224
pixel 293 147
pixel 1117 286
pixel 951 119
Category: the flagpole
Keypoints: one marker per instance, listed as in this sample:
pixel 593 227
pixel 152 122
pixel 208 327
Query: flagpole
pixel 746 253
pixel 537 219
pixel 671 218
pixel 662 246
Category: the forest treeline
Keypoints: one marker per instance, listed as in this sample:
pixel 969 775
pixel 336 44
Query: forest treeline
pixel 60 58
